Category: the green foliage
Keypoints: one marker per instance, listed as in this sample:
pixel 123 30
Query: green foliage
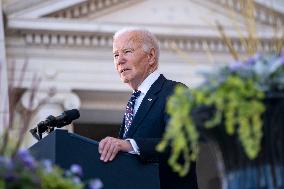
pixel 56 180
pixel 236 92
pixel 23 172
pixel 2 184
pixel 240 103
pixel 180 130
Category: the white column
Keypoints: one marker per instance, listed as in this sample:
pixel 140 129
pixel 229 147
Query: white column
pixel 43 106
pixel 4 111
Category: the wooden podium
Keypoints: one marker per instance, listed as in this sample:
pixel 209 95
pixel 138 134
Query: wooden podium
pixel 125 171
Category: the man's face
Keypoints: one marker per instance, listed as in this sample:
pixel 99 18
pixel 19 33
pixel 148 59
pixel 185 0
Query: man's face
pixel 130 60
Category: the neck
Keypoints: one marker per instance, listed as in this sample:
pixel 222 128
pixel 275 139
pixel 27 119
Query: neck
pixel 135 85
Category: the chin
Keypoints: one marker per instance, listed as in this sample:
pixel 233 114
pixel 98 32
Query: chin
pixel 124 80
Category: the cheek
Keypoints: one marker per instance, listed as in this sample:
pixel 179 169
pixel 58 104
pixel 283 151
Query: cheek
pixel 116 66
pixel 143 67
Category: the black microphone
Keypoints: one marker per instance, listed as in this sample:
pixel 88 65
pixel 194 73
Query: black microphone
pixel 64 119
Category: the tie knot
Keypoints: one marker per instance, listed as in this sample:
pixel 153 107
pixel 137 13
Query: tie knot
pixel 136 94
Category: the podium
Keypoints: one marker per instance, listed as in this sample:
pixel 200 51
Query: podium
pixel 124 172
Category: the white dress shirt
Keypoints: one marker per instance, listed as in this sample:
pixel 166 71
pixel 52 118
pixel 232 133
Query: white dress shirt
pixel 144 88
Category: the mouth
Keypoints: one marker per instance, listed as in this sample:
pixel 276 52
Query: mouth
pixel 123 70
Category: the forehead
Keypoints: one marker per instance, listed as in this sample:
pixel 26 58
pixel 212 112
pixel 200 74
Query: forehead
pixel 127 40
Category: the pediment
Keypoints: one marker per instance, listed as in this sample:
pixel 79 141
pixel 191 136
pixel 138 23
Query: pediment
pixel 188 22
pixel 177 14
pixel 181 13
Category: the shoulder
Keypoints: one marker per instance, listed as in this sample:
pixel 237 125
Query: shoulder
pixel 170 85
pixel 173 84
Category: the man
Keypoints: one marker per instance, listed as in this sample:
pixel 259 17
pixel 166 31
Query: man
pixel 136 56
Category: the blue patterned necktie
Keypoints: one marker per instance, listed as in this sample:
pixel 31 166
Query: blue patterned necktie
pixel 129 113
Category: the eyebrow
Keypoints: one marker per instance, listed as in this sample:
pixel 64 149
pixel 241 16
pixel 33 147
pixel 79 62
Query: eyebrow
pixel 129 48
pixel 124 49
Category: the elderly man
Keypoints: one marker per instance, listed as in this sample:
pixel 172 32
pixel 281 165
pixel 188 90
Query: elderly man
pixel 136 56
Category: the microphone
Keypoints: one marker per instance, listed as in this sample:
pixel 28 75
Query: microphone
pixel 64 119
pixel 50 122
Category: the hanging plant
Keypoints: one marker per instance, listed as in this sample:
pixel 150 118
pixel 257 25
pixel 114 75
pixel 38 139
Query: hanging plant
pixel 236 92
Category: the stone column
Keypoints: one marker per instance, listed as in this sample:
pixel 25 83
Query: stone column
pixel 4 111
pixel 45 105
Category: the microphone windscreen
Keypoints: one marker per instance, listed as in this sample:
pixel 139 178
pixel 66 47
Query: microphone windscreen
pixel 71 115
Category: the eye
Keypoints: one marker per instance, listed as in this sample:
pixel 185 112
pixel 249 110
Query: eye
pixel 126 51
pixel 115 56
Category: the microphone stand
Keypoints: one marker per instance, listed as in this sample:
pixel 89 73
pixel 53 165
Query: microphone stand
pixel 36 134
pixel 38 130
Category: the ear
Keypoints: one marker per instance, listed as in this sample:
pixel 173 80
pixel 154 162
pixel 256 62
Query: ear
pixel 152 56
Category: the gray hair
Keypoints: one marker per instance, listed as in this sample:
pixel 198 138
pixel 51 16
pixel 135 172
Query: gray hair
pixel 149 39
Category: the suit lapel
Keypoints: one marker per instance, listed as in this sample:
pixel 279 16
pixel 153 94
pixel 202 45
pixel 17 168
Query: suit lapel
pixel 146 104
pixel 121 130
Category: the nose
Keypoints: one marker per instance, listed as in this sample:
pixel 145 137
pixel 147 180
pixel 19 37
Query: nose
pixel 120 59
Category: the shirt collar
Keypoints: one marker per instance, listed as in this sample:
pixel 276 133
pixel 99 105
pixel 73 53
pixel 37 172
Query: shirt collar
pixel 146 84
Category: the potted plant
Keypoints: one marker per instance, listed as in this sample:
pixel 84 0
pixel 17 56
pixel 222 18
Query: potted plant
pixel 240 108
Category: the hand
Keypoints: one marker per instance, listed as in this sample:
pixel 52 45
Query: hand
pixel 109 147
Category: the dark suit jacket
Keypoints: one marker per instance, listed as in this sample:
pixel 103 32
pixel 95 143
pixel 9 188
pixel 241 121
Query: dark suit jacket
pixel 147 129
